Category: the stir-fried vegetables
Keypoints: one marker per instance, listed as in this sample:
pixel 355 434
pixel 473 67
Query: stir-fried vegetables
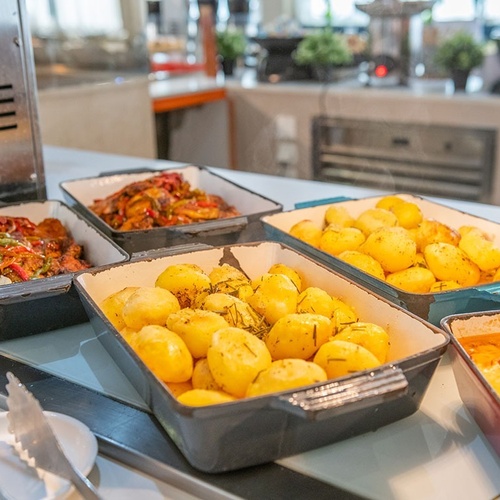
pixel 29 251
pixel 162 200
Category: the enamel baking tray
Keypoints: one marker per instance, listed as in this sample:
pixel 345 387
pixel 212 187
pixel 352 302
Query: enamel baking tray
pixel 258 430
pixel 429 306
pixel 478 396
pixel 46 304
pixel 81 193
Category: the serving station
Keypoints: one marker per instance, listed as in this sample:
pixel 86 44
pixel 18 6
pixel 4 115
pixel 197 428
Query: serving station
pixel 437 452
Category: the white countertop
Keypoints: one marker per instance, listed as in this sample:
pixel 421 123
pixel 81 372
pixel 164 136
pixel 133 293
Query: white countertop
pixel 437 453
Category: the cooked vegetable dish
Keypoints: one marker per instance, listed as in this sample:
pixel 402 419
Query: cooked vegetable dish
pixel 29 251
pixel 484 351
pixel 166 199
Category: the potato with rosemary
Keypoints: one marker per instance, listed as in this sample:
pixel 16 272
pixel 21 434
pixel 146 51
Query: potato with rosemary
pixel 339 216
pixel 149 306
pixel 298 335
pixel 315 300
pixel 450 263
pixel 202 376
pixel 235 357
pixel 432 231
pixel 164 353
pixel 368 335
pixel 112 306
pixel 343 314
pixel 307 231
pixel 275 295
pixel 340 357
pixel 392 248
pixel 287 271
pixel 195 327
pixel 185 281
pixel 480 248
pixel 363 262
pixel 335 240
pixel 375 218
pixel 415 279
pixel 285 374
pixel 408 214
pixel 228 279
pixel 204 397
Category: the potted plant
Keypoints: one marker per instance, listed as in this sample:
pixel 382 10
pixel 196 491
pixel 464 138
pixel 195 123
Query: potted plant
pixel 458 55
pixel 231 44
pixel 322 51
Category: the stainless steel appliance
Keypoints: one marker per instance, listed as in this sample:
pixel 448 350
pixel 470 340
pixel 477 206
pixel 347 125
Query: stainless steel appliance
pixel 21 163
pixel 451 162
pixel 395 39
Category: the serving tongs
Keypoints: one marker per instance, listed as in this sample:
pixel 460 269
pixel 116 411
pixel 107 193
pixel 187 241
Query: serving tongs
pixel 31 429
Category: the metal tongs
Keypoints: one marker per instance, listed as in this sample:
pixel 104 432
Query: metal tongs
pixel 32 430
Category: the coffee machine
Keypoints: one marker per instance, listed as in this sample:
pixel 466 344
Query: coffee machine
pixel 395 32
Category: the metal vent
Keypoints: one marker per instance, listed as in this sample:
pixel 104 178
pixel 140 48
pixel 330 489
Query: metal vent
pixel 21 163
pixel 451 162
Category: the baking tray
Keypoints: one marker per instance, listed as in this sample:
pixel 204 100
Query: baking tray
pixel 81 193
pixel 47 304
pixel 429 306
pixel 478 396
pixel 257 430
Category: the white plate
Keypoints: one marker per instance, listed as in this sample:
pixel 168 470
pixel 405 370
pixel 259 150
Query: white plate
pixel 19 481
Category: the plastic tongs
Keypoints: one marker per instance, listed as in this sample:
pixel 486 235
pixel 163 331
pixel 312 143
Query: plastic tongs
pixel 32 430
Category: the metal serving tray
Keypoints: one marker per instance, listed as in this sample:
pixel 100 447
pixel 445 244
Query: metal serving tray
pixel 262 429
pixel 478 396
pixel 81 193
pixel 429 306
pixel 47 304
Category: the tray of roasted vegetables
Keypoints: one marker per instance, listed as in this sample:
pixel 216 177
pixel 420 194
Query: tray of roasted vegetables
pixel 155 209
pixel 252 352
pixel 42 245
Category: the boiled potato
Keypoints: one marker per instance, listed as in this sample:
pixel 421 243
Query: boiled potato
pixel 415 279
pixel 195 327
pixel 287 271
pixel 178 388
pixel 335 240
pixel 432 231
pixel 343 315
pixel 408 214
pixel 316 301
pixel 235 357
pixel 480 249
pixel 285 374
pixel 307 231
pixel 364 262
pixel 298 335
pixel 164 353
pixel 392 248
pixel 274 296
pixel 235 311
pixel 450 263
pixel 202 376
pixel 227 279
pixel 389 201
pixel 368 335
pixel 202 397
pixel 149 306
pixel 375 218
pixel 129 334
pixel 339 216
pixel 112 306
pixel 185 281
pixel 339 358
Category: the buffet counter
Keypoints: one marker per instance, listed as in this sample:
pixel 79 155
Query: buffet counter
pixel 437 453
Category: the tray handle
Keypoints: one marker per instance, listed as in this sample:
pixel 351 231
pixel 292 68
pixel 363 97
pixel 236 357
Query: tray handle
pixel 362 391
pixel 212 228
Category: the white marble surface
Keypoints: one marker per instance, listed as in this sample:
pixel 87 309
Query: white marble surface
pixel 438 453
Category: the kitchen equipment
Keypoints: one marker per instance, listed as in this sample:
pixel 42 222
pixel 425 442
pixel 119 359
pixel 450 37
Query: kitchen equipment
pixel 52 301
pixel 35 435
pixel 451 162
pixel 429 306
pixel 479 397
pixel 81 193
pixel 395 31
pixel 22 174
pixel 257 430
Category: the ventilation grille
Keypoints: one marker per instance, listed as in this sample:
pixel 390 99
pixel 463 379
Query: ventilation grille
pixel 8 115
